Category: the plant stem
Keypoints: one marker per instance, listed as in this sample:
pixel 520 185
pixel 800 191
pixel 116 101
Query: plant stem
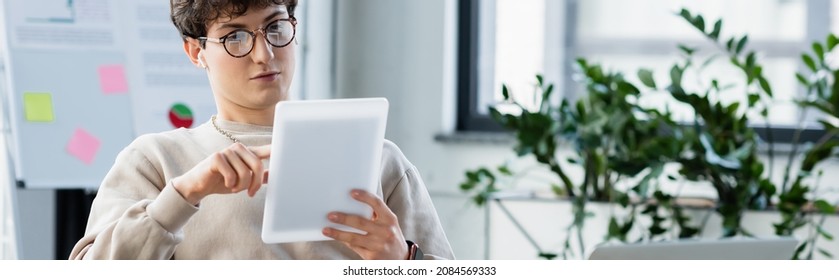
pixel 579 221
pixel 555 168
pixel 811 240
pixel 796 143
pixel 580 242
pixel 771 140
pixel 826 137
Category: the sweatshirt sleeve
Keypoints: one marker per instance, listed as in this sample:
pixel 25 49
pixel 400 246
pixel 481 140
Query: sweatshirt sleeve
pixel 136 214
pixel 418 218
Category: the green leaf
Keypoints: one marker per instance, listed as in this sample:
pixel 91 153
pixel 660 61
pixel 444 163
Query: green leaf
pixel 800 249
pixel 676 76
pixel 817 155
pixel 824 233
pixel 818 50
pixel 547 256
pixel 809 62
pixel 688 232
pixel 741 44
pixel 622 199
pixel 825 253
pixel 614 228
pixel 729 45
pixel 501 118
pixel 540 79
pixel 472 176
pixel 708 61
pixel 686 15
pixel 833 97
pixel 656 230
pixel 505 92
pixel 486 173
pixel 802 79
pixel 753 99
pixel 699 22
pixel 827 125
pixel 825 207
pixel 505 170
pixel 627 226
pixel 751 58
pixel 479 200
pixel 735 62
pixel 646 77
pixel 832 41
pixel 765 86
pixel 687 50
pixel 820 105
pixel 546 99
pixel 715 34
pixel 627 88
pixel 558 190
pixel 582 63
pixel 547 93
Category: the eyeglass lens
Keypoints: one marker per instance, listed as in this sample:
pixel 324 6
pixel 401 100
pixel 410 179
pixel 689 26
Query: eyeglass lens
pixel 278 34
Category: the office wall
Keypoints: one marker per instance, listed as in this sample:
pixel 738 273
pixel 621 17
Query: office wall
pixel 403 50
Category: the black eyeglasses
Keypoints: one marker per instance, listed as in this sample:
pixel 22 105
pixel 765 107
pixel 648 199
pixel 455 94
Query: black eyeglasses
pixel 240 42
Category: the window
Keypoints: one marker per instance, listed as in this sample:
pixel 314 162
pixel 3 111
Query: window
pixel 501 40
pixel 507 41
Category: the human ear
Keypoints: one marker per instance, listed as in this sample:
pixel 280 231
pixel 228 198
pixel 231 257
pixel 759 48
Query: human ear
pixel 194 52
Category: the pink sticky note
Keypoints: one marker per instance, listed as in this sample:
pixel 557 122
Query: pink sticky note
pixel 112 79
pixel 83 146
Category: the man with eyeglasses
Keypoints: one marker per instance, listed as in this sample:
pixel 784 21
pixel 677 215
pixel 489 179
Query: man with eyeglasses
pixel 195 193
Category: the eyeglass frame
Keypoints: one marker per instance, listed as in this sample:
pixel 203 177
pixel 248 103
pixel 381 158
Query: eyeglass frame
pixel 221 40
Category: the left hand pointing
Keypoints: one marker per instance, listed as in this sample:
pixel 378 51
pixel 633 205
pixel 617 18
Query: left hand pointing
pixel 384 239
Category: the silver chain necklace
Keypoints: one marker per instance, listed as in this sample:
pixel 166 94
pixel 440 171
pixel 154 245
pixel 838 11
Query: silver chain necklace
pixel 224 132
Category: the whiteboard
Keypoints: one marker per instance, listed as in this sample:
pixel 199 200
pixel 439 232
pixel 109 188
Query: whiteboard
pixel 84 78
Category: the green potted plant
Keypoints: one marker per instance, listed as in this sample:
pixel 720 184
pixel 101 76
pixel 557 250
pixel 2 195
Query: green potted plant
pixel 616 141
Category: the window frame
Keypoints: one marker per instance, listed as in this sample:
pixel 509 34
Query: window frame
pixel 470 119
pixel 468 116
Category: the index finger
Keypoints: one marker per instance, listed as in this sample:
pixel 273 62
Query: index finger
pixel 262 152
pixel 374 201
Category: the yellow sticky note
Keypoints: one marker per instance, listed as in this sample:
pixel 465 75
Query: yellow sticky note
pixel 37 107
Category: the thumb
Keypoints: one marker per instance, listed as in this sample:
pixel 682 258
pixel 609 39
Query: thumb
pixel 262 152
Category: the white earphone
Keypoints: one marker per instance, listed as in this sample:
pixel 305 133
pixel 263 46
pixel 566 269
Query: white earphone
pixel 201 60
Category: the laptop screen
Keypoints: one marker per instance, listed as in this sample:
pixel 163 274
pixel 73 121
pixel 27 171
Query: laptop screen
pixel 776 248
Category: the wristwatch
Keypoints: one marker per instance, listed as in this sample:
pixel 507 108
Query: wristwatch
pixel 414 252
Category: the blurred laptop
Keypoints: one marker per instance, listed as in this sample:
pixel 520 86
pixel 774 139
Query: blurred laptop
pixel 775 248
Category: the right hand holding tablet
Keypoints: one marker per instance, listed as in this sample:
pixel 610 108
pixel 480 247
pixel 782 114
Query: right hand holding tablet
pixel 234 169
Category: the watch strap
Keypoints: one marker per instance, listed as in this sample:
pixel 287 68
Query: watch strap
pixel 414 252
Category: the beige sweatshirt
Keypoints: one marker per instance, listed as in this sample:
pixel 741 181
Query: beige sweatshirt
pixel 137 214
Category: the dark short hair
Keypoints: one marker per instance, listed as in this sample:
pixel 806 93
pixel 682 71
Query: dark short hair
pixel 191 17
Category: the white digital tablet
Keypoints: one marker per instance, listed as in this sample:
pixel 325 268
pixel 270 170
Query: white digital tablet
pixel 320 151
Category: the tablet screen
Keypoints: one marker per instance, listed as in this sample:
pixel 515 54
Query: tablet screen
pixel 320 151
